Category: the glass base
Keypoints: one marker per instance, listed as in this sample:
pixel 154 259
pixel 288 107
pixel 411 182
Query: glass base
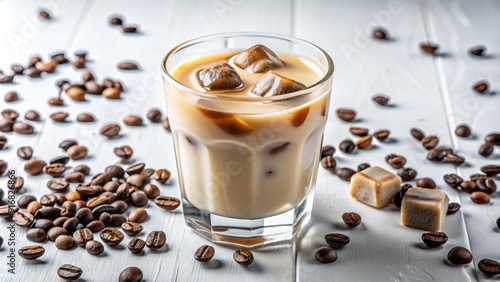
pixel 245 232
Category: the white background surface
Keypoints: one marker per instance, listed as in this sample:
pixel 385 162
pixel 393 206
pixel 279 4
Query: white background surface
pixel 431 93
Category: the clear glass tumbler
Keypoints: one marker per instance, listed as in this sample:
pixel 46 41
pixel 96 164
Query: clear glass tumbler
pixel 247 166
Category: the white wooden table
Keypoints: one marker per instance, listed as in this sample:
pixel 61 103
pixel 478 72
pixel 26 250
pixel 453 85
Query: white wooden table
pixel 431 93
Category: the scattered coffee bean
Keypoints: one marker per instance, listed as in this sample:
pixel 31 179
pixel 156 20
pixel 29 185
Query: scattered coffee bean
pixel 154 115
pixel 166 124
pixel 55 232
pixel 204 253
pixel 352 219
pixel 82 236
pixel 453 159
pixel 459 255
pixel 45 224
pixel 453 208
pixel 382 134
pixel 11 96
pixel 481 86
pixel 162 175
pixel 156 239
pixel 139 215
pixel 426 182
pixel 129 29
pixel 434 239
pixel 22 128
pixel 345 173
pixel 428 47
pixel 381 99
pixel 417 134
pixel 10 114
pixel 25 152
pixel 131 228
pixel 111 236
pixel 33 207
pixel 115 171
pixel 133 120
pixel 407 174
pixel 116 21
pixel 6 78
pixel 6 125
pixel 94 247
pixel 83 169
pixel 34 166
pixel 325 255
pixel 110 130
pixel 477 51
pixel 56 101
pixel 3 167
pixel 3 142
pixel 486 149
pixel 486 185
pixel 48 200
pixel 468 186
pixel 74 177
pixel 112 93
pixel 128 65
pixel 85 117
pixel 167 203
pixel 54 170
pixel 31 252
pixel 463 130
pixel 347 146
pixel 57 185
pixel 152 191
pixel 36 235
pixel 77 152
pixel 489 267
pixel 64 242
pixel 24 201
pixel 130 274
pixel 32 115
pixel 135 168
pixel 398 198
pixel 380 33
pixel 69 272
pixel 346 114
pixel 364 142
pixel 363 166
pixel 337 240
pixel 66 144
pixel 395 161
pixel 358 131
pixel 136 245
pixel 329 163
pixel 44 14
pixel 430 142
pixel 453 180
pixel 243 257
pixel 493 137
pixel 480 197
pixel 124 152
pixel 17 69
pixel 491 170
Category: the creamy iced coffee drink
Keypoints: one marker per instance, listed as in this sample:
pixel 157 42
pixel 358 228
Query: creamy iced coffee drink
pixel 246 165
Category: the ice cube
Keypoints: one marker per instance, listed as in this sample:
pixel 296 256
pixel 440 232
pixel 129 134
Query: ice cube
pixel 258 58
pixel 271 84
pixel 219 77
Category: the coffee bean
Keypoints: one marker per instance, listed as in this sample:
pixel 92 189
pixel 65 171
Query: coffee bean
pixel 18 183
pixel 17 69
pixel 352 219
pixel 115 171
pixel 84 216
pixel 139 215
pixel 204 253
pixel 74 177
pixel 477 51
pixel 22 128
pixel 453 180
pixel 6 79
pixel 112 93
pixel 129 29
pixel 117 220
pixel 123 191
pixel 136 245
pixel 48 67
pixel 407 174
pixel 82 236
pixel 417 134
pixel 31 252
pixel 54 170
pixel 381 134
pixel 45 224
pixel 48 212
pixel 491 170
pixel 358 131
pixel 345 173
pixel 453 159
pixel 58 185
pixel 111 236
pixel 101 179
pixel 468 186
pixel 486 149
pixel 71 224
pixel 426 182
pixel 11 96
pixel 83 169
pixel 128 65
pixel 137 181
pixel 167 203
pixel 34 166
pixel 480 197
pixel 62 160
pixel 125 152
pixel 110 130
pixel 459 255
pixel 79 63
pixel 66 144
pixel 166 124
pixel 130 274
pixel 346 114
pixel 64 242
pixel 59 58
pixel 428 47
pixel 329 163
pixel 480 86
pixel 85 117
pixel 347 146
pixel 36 235
pixel 92 87
pixel 97 201
pixel 434 239
pixel 489 267
pixel 77 152
pixel 363 166
pixel 135 168
pixel 381 99
pixel 161 175
pixel 486 185
pixel 151 191
pixel 56 101
pixel 76 93
pixel 435 155
pixel 25 152
pixel 10 114
pixel 7 210
pixel 24 201
pixel 68 209
pixel 132 120
pixel 3 167
pixel 6 125
pixel 395 161
pixel 48 200
pixel 131 228
pixel 493 137
pixel 33 207
pixel 55 232
pixel 69 272
pixel 32 115
pixel 95 226
pixel 44 14
pixel 156 239
pixel 430 142
pixel 453 208
pixel 243 257
pixel 364 142
pixel 325 255
pixel 463 130
pixel 59 116
pixel 380 33
pixel 337 240
pixel 154 115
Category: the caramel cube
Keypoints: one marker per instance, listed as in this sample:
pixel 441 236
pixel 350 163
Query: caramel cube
pixel 424 208
pixel 375 186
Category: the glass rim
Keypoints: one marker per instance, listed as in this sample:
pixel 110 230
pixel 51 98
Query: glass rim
pixel 228 35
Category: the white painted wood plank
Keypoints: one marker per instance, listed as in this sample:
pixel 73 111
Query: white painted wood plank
pixel 381 249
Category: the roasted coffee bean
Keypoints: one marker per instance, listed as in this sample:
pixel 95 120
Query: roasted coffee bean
pixel 352 219
pixel 364 142
pixel 337 240
pixel 23 218
pixel 94 247
pixel 117 220
pixel 474 177
pixel 156 239
pixel 48 200
pixel 36 235
pixel 132 228
pixel 162 175
pixel 58 185
pixel 101 179
pixel 47 67
pixel 166 124
pixel 111 93
pixel 79 204
pixel 486 185
pixel 55 232
pixel 33 207
pixel 116 21
pixel 68 208
pixel 486 149
pixel 480 197
pixel 92 87
pixel 79 63
pixel 56 101
pixel 7 210
pixel 428 47
pixel 17 69
pixel 77 152
pixel 120 206
pixel 105 218
pixel 48 212
pixel 430 142
pixel 477 51
pixel 135 168
pixel 132 120
pixel 69 272
pixel 489 267
pixel 138 215
pixel 6 125
pixel 3 167
pixel 45 224
pixel 83 169
pixel 123 191
pixel 435 155
pixel 10 114
pixel 66 144
pixel 463 130
pixel 59 116
pixel 453 180
pixel 97 201
pixel 434 239
pixel 84 216
pixel 34 167
pixel 154 115
pixel 54 170
pixel 82 236
pixel 32 115
pixel 18 183
pixel 151 191
pixel 95 226
pixel 204 253
pixel 453 208
pixel 71 224
pixel 327 150
pixel 491 170
pixel 396 161
pixel 111 236
pixel 382 134
pixel 325 255
pixel 128 65
pixel 480 86
pixel 493 137
pixel 31 252
pixel 61 198
pixel 129 29
pixel 148 172
pixel 468 186
pixel 381 99
pixel 417 134
pixel 6 78
pixel 407 174
pixel 130 274
pixel 44 14
pixel 346 114
pixel 59 58
pixel 64 242
pixel 459 255
pixel 85 117
pixel 11 96
pixel 329 163
pixel 453 159
pixel 345 173
pixel 86 190
pixel 347 146
pixel 59 160
pixel 24 201
pixel 426 182
pixel 110 130
pixel 243 257
pixel 74 177
pixel 124 152
pixel 363 166
pixel 358 131
pixel 167 203
pixel 115 171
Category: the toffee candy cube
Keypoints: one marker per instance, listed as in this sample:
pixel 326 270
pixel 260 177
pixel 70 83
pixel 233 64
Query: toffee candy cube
pixel 424 208
pixel 375 186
